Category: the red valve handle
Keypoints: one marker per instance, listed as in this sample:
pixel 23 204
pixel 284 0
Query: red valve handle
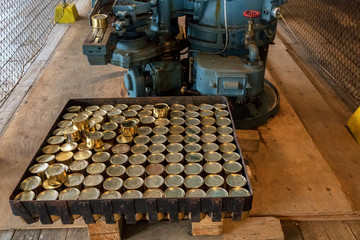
pixel 251 14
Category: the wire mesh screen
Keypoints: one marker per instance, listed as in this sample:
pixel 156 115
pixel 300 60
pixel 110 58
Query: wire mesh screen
pixel 329 31
pixel 24 27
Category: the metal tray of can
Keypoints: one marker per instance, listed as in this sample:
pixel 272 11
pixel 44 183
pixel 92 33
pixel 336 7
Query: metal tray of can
pixel 32 211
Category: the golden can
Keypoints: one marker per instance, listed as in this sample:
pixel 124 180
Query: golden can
pixel 74 180
pixel 135 107
pixel 231 167
pixel 174 168
pixel 207 121
pixel 49 159
pixel 144 113
pixel 219 106
pixel 192 121
pixel 223 121
pixel 83 155
pixel 120 149
pixel 107 107
pixel 113 113
pixel 32 183
pixel 239 192
pixel 96 168
pixel 174 147
pixel 174 181
pixel 192 107
pixel 191 114
pixel 157 148
pixel 101 157
pixel 231 156
pixel 130 114
pixel 149 107
pixel 206 113
pixel 25 196
pixel 155 169
pixel 99 21
pixel 129 127
pixel 124 139
pixel 177 107
pixel 86 112
pixel 101 113
pixel 109 136
pixel 47 195
pixel 56 140
pixel 65 157
pixel 65 124
pixel 156 158
pixel 160 130
pixel 92 108
pixel 110 195
pixel 212 156
pixel 121 106
pixel 147 120
pixel 153 193
pixel 154 181
pixel 192 148
pixel 95 181
pixel 145 131
pixel 98 120
pixel 70 194
pixel 135 171
pixel 210 147
pixel 193 169
pixel 81 122
pixel 161 110
pixel 176 113
pixel 83 147
pixel 227 147
pixel 79 166
pixel 221 113
pixel 71 134
pixel 194 157
pixel 117 119
pixel 106 148
pixel 177 121
pixel 224 138
pixel 205 106
pixel 39 170
pixel 113 184
pixel 193 181
pixel 139 148
pixel 191 138
pixel 134 194
pixel 208 129
pixel 158 139
pixel 197 193
pixel 212 168
pixel 116 171
pixel 90 194
pixel 94 140
pixel 109 126
pixel 137 159
pixel 134 183
pixel 208 138
pixel 119 159
pixel 214 180
pixel 236 180
pixel 48 186
pixel 58 132
pixel 74 109
pixel 162 122
pixel 56 173
pixel 191 129
pixel 69 147
pixel 174 192
pixel 217 192
pixel 69 116
pixel 141 139
pixel 174 157
pixel 175 138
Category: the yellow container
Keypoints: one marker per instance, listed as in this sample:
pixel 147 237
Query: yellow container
pixel 354 125
pixel 66 13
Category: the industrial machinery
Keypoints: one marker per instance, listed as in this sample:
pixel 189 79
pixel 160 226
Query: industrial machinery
pixel 190 47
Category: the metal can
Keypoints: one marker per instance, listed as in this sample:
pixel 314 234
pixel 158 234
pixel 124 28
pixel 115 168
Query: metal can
pixel 212 168
pixel 49 159
pixel 176 129
pixel 224 138
pixel 129 127
pixel 120 149
pixel 191 114
pixel 89 194
pixel 156 158
pixel 212 156
pixel 25 196
pixel 236 180
pixel 162 122
pixel 73 109
pixel 207 121
pixel 176 113
pixel 160 130
pixel 210 147
pixel 174 168
pixel 206 113
pixel 117 119
pixel 196 193
pixel 217 192
pixel 191 129
pixel 192 121
pixel 86 112
pixel 147 120
pixel 139 148
pixel 221 113
pixel 39 170
pixel 158 139
pixel 69 147
pixel 231 167
pixel 124 139
pixel 119 159
pixel 56 140
pixel 135 107
pixel 219 106
pixel 239 192
pixel 145 131
pixel 98 120
pixel 137 159
pixel 71 134
pixel 174 181
pixel 109 126
pixel 69 116
pixel 113 184
pixel 94 140
pixel 192 107
pixel 174 157
pixel 214 180
pixel 95 181
pixel 227 147
pixel 49 195
pixel 157 148
pixel 110 195
pixel 135 171
pixel 101 157
pixel 107 107
pixel 175 138
pixel 92 108
pixel 109 136
pixel 191 138
pixel 58 132
pixel 69 194
pixel 83 155
pixel 193 169
pixel 205 106
pixel 161 110
pixel 79 166
pixel 194 157
pixel 174 192
pixel 113 113
pixel 193 181
pixel 155 169
pixel 130 114
pixel 192 148
pixel 32 183
pixel 223 121
pixel 56 173
pixel 208 129
pixel 96 168
pixel 177 121
pixel 153 193
pixel 231 156
pixel 65 157
pixel 81 122
pixel 145 112
pixel 154 181
pixel 46 185
pixel 121 106
pixel 74 180
pixel 134 194
pixel 208 138
pixel 141 139
pixel 64 124
pixel 133 183
pixel 116 171
pixel 177 107
pixel 174 147
pixel 82 147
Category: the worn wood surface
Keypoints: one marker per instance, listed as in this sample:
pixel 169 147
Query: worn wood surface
pixel 313 230
pixel 249 140
pixel 206 227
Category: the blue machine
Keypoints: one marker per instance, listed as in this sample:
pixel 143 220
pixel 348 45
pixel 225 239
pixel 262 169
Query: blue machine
pixel 219 48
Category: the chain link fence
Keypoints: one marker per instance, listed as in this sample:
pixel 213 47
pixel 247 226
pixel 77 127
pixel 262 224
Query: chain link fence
pixel 24 28
pixel 329 31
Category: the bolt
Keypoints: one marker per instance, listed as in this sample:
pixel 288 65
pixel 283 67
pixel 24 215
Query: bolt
pixel 234 35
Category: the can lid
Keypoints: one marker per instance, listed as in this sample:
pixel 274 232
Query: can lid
pixel 174 168
pixel 59 132
pixel 214 180
pixel 117 119
pixel 160 139
pixel 232 167
pixel 78 165
pixel 153 193
pixel 65 123
pixel 145 112
pixel 208 138
pixel 68 147
pixel 70 130
pixel 206 113
pixel 194 157
pixel 55 169
pixel 38 168
pixel 191 114
pixel 210 147
pixel 96 168
pixel 82 155
pixel 239 192
pixel 86 112
pixel 139 148
pixel 135 170
pixel 155 169
pixel 193 168
pixel 50 185
pixel 135 107
pixel 207 121
pixel 100 157
pixel 92 108
pixel 120 148
pixel 174 181
pixel 192 147
pixel 130 113
pixel 121 106
pixel 147 119
pixel 174 147
pixel 192 121
pixel 231 156
pixel 132 194
pixel 109 135
pixel 69 194
pixel 174 192
pixel 227 147
pixel 74 180
pixel 97 119
pixel 208 129
pixel 93 180
pixel 177 107
pixel 89 193
pixel 191 138
pixel 225 138
pixel 174 157
pixel 107 107
pixel 223 121
pixel 236 180
pixel 80 118
pixel 132 183
pixel 30 183
pixel 25 196
pixel 219 106
pixel 157 148
pixel 142 139
pixel 193 181
pixel 221 113
pixel 195 193
pixel 161 130
pixel 119 159
pixel 192 107
pixel 137 159
pixel 144 130
pixel 212 167
pixel 149 107
pixel 73 109
pixel 175 138
pixel 177 121
pixel 176 129
pixel 47 195
pixel 64 156
pixel 113 183
pixel 115 112
pixel 124 139
pixel 176 113
pixel 162 122
pixel 54 140
pixel 191 129
pixel 212 156
pixel 205 106
pixel 95 135
pixel 110 195
pixel 156 158
pixel 109 126
pixel 217 192
pixel 115 170
pixel 45 158
pixel 154 181
pixel 69 116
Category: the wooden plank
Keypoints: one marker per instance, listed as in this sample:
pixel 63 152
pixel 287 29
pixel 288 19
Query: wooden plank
pixel 77 233
pixel 249 140
pixel 291 231
pixel 355 228
pixel 22 234
pixel 6 234
pixel 313 230
pixel 53 234
pixel 206 227
pixel 338 230
pixel 101 230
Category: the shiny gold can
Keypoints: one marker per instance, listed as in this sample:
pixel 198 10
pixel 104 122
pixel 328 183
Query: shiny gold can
pixel 161 110
pixel 236 180
pixel 32 183
pixel 69 116
pixel 192 107
pixel 195 193
pixel 25 196
pixel 71 134
pixel 101 157
pixel 193 181
pixel 153 193
pixel 160 130
pixel 83 155
pixel 214 180
pixel 79 166
pixel 149 107
pixel 212 156
pixel 113 184
pixel 217 192
pixel 154 181
pixel 221 113
pixel 194 157
pixel 130 114
pixel 96 168
pixel 74 109
pixel 192 121
pixel 174 147
pixel 119 159
pixel 70 194
pixel 129 127
pixel 175 138
pixel 227 147
pixel 56 173
pixel 206 113
pixel 109 136
pixel 81 122
pixel 110 195
pixel 231 156
pixel 92 108
pixel 94 140
pixel 56 140
pixel 39 170
pixel 69 147
pixel 117 119
pixel 121 106
pixel 120 149
pixel 107 107
pixel 94 180
pixel 210 147
pixel 225 138
pixel 137 159
pixel 207 121
pixel 176 113
pixel 212 168
pixel 192 129
pixel 116 171
pixel 191 114
pixel 174 157
pixel 134 183
pixel 158 139
pixel 89 194
pixel 208 138
pixel 208 129
pixel 223 121
pixel 157 148
pixel 239 192
pixel 98 120
pixel 65 158
pixel 74 180
pixel 191 138
pixel 205 106
pixel 142 139
pixel 106 148
pixel 219 106
pixel 48 186
pixel 174 192
pixel 231 167
pixel 113 113
pixel 134 194
pixel 110 126
pixel 177 107
pixel 99 21
pixel 162 122
pixel 193 169
pixel 139 148
pixel 135 107
pixel 65 124
pixel 49 159
pixel 124 139
pixel 145 131
pixel 147 120
pixel 174 181
pixel 177 121
pixel 174 168
pixel 82 147
pixel 145 112
pixel 49 195
pixel 135 171
pixel 155 169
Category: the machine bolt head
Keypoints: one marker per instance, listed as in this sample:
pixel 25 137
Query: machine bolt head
pixel 275 12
